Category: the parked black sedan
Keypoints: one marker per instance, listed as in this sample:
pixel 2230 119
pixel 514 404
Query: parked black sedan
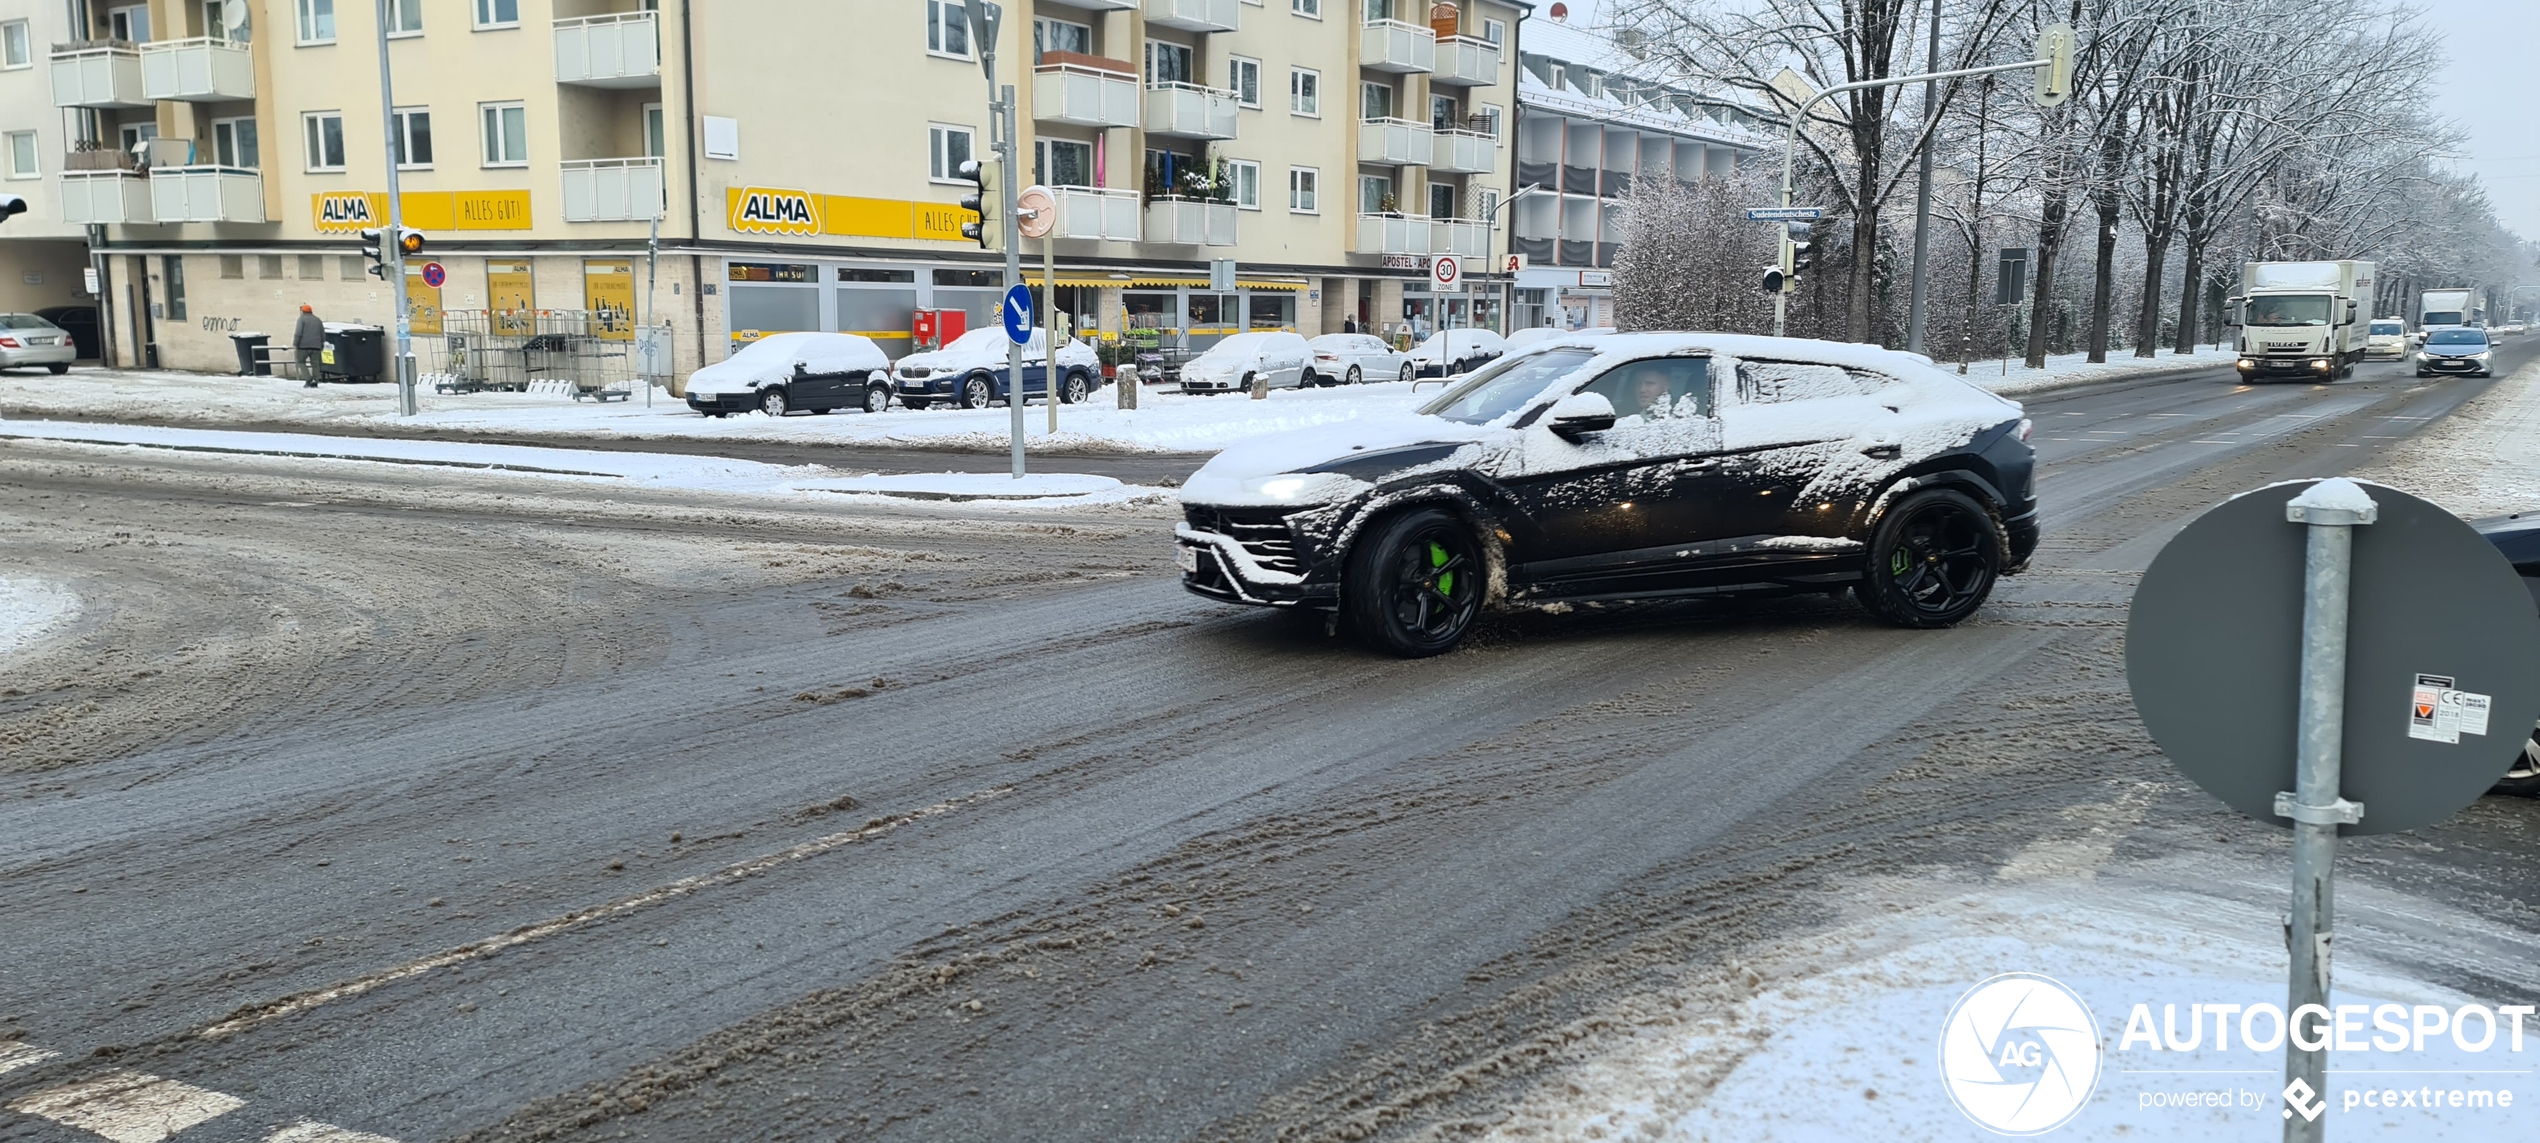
pixel 1633 466
pixel 2518 536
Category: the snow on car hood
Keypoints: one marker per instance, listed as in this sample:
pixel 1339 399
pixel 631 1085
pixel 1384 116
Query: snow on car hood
pixel 1456 343
pixel 1234 477
pixel 773 358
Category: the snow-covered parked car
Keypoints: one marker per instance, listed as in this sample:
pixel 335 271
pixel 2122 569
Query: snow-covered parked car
pixel 1452 351
pixel 1519 339
pixel 971 372
pixel 1350 358
pixel 1231 364
pixel 1630 466
pixel 786 371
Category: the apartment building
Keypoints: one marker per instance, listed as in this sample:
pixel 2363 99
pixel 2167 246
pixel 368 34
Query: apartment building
pixel 736 169
pixel 1591 118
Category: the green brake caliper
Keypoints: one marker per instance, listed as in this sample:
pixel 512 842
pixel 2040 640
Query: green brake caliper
pixel 1437 559
pixel 1898 562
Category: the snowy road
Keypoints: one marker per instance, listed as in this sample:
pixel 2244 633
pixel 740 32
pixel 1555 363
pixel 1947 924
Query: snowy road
pixel 439 804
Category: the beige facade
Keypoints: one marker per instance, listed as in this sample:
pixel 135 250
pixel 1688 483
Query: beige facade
pixel 801 156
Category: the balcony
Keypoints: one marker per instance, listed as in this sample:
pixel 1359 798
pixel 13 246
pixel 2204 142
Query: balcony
pixel 1190 222
pixel 1605 253
pixel 97 75
pixel 1189 111
pixel 1097 214
pixel 1396 45
pixel 1538 251
pixel 1393 234
pixel 614 49
pixel 1462 237
pixel 199 70
pixel 1466 61
pixel 1464 153
pixel 1578 180
pixel 107 198
pixel 1086 91
pixel 1616 184
pixel 1531 173
pixel 611 190
pixel 1193 15
pixel 206 194
pixel 1574 252
pixel 1395 142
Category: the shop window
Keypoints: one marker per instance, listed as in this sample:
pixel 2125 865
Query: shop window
pixel 993 279
pixel 767 272
pixel 879 312
pixel 867 274
pixel 1271 310
pixel 773 309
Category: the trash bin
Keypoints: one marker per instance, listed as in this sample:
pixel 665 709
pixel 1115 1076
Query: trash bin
pixel 251 355
pixel 355 353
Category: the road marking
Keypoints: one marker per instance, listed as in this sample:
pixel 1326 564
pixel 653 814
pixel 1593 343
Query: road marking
pixel 129 1107
pixel 21 1055
pixel 304 1001
pixel 307 1131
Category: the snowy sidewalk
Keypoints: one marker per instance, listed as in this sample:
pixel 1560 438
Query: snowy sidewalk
pixel 2483 460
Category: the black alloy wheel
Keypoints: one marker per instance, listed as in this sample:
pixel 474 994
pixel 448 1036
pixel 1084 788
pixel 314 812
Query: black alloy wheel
pixel 1414 583
pixel 1933 559
pixel 1073 389
pixel 877 398
pixel 977 393
pixel 772 402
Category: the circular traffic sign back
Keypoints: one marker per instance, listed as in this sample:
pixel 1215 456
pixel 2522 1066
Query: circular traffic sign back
pixel 2442 642
pixel 1036 211
pixel 434 275
pixel 1445 270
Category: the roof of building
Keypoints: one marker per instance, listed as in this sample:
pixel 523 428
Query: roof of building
pixel 1668 108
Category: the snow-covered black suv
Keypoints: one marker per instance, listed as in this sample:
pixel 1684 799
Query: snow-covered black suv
pixel 1632 466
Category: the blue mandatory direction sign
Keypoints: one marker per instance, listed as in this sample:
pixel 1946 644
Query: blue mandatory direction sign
pixel 1018 314
pixel 1784 213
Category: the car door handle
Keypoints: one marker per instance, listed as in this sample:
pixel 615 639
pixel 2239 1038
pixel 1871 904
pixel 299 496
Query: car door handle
pixel 1882 451
pixel 1707 462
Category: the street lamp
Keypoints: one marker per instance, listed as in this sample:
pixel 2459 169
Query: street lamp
pixel 1490 240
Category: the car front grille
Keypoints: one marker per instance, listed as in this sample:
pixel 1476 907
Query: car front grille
pixel 1262 532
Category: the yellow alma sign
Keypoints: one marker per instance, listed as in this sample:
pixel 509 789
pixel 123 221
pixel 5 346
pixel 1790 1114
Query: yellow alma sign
pixel 771 210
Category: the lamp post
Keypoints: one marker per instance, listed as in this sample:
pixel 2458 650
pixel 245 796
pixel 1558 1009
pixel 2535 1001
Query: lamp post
pixel 1490 240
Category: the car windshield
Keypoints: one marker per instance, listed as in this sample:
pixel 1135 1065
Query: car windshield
pixel 23 321
pixel 1506 385
pixel 1239 344
pixel 2387 329
pixel 2290 309
pixel 2456 337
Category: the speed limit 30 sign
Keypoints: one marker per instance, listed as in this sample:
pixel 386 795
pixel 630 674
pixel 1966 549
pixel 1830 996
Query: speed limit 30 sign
pixel 1445 271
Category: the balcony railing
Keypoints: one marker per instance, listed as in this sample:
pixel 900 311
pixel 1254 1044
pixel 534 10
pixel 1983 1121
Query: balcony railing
pixel 206 194
pixel 105 197
pixel 200 70
pixel 614 49
pixel 1615 184
pixel 1574 252
pixel 1393 234
pixel 1097 214
pixel 1536 250
pixel 1193 15
pixel 1465 153
pixel 1578 180
pixel 1395 142
pixel 97 75
pixel 1605 253
pixel 1396 45
pixel 1085 90
pixel 1189 111
pixel 1463 237
pixel 611 190
pixel 1190 222
pixel 1532 173
pixel 1466 61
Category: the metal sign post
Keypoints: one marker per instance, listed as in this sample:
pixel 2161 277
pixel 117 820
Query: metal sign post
pixel 1036 213
pixel 984 21
pixel 392 240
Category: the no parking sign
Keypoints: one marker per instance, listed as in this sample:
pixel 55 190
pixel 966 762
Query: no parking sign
pixel 434 275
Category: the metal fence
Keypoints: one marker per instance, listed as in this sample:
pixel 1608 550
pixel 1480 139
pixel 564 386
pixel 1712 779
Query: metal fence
pixel 598 354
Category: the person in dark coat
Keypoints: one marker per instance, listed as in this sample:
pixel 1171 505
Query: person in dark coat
pixel 307 339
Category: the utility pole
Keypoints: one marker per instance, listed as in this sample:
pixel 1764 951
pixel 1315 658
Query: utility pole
pixel 984 18
pixel 392 241
pixel 1922 196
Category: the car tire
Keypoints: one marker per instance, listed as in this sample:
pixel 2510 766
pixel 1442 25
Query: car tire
pixel 1933 560
pixel 2523 779
pixel 772 402
pixel 58 368
pixel 1353 378
pixel 1414 583
pixel 2423 373
pixel 1407 374
pixel 1073 389
pixel 877 398
pixel 978 393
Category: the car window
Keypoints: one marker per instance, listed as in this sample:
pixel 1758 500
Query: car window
pixel 1504 386
pixel 2386 327
pixel 1781 382
pixel 23 321
pixel 2456 337
pixel 1657 388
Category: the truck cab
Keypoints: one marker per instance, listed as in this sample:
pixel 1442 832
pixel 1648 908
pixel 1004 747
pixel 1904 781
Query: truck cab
pixel 2298 320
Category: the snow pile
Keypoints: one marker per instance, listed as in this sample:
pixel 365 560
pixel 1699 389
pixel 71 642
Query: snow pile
pixel 2075 369
pixel 30 609
pixel 2481 460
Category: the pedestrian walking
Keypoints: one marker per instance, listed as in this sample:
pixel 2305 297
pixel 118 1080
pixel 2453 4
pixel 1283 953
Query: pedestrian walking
pixel 307 339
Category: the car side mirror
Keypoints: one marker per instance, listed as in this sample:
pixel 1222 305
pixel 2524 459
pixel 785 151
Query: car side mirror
pixel 2231 311
pixel 1579 414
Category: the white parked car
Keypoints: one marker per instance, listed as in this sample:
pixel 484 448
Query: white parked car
pixel 786 371
pixel 1452 351
pixel 1279 357
pixel 1349 358
pixel 1525 337
pixel 971 372
pixel 26 340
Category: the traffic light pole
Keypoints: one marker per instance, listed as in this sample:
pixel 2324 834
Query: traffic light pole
pixel 392 241
pixel 1001 113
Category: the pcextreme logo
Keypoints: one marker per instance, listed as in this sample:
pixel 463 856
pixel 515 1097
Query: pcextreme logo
pixel 774 210
pixel 2019 1054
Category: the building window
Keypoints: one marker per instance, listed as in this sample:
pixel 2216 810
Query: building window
pixel 233 266
pixel 1246 176
pixel 1305 92
pixel 506 134
pixel 22 155
pixel 324 133
pixel 234 143
pixel 1496 31
pixel 1245 77
pixel 405 17
pixel 1442 200
pixel 1050 35
pixel 1312 9
pixel 172 273
pixel 947 148
pixel 413 139
pixel 134 135
pixel 653 136
pixel 1375 195
pixel 1379 9
pixel 947 29
pixel 317 21
pixel 348 267
pixel 1375 101
pixel 1303 185
pixel 1442 113
pixel 312 267
pixel 1063 163
pixel 269 267
pixel 1168 63
pixel 1486 120
pixel 498 13
pixel 17 48
pixel 130 24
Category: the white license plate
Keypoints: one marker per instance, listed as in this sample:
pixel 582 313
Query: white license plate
pixel 1189 557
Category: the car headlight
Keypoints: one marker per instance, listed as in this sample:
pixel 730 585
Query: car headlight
pixel 2246 363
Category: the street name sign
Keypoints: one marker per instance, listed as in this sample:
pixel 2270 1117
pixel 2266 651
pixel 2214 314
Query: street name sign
pixel 1784 213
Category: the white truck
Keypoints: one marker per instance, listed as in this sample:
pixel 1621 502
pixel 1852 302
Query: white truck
pixel 2301 319
pixel 2449 308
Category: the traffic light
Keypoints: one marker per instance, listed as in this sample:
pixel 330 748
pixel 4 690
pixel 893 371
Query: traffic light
pixel 409 244
pixel 11 204
pixel 1796 255
pixel 1773 278
pixel 976 201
